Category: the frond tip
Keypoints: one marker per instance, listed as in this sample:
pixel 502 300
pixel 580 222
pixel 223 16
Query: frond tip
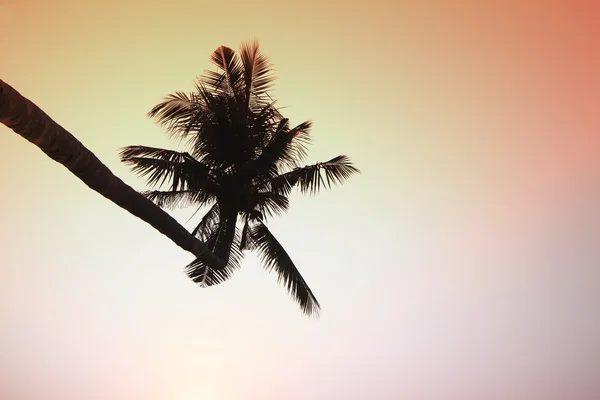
pixel 274 257
pixel 309 178
pixel 205 276
pixel 176 113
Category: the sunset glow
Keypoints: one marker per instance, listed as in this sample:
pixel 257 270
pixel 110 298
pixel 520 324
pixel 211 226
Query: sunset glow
pixel 463 263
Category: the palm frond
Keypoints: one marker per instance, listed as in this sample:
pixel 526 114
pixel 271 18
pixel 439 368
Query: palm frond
pixel 274 257
pixel 300 141
pixel 208 224
pixel 218 230
pixel 176 113
pixel 275 143
pixel 158 166
pixel 205 276
pixel 226 232
pixel 258 76
pixel 285 149
pixel 215 82
pixel 230 80
pixel 245 239
pixel 260 124
pixel 270 203
pixel 178 198
pixel 310 178
pixel 268 114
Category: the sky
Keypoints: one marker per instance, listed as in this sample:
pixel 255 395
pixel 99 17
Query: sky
pixel 461 264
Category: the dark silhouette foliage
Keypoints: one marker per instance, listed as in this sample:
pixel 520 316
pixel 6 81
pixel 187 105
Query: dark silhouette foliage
pixel 243 159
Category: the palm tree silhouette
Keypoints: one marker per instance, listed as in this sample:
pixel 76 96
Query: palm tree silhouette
pixel 243 161
pixel 30 122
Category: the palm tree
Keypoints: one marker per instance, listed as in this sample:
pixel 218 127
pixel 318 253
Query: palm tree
pixel 29 121
pixel 242 161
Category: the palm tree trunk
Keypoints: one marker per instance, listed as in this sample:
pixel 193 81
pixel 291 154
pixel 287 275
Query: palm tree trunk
pixel 29 121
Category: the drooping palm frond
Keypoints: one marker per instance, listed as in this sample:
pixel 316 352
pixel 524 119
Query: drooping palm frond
pixel 205 276
pixel 310 179
pixel 161 165
pixel 245 238
pixel 218 229
pixel 226 232
pixel 274 257
pixel 208 224
pixel 270 203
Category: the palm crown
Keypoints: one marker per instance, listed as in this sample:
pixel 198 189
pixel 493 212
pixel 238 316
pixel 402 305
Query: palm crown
pixel 242 162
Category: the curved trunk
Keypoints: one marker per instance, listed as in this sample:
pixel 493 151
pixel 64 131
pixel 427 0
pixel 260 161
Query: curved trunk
pixel 29 121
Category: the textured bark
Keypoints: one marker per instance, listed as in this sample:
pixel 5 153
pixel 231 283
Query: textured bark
pixel 30 122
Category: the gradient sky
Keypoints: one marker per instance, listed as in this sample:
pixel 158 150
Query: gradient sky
pixel 462 263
